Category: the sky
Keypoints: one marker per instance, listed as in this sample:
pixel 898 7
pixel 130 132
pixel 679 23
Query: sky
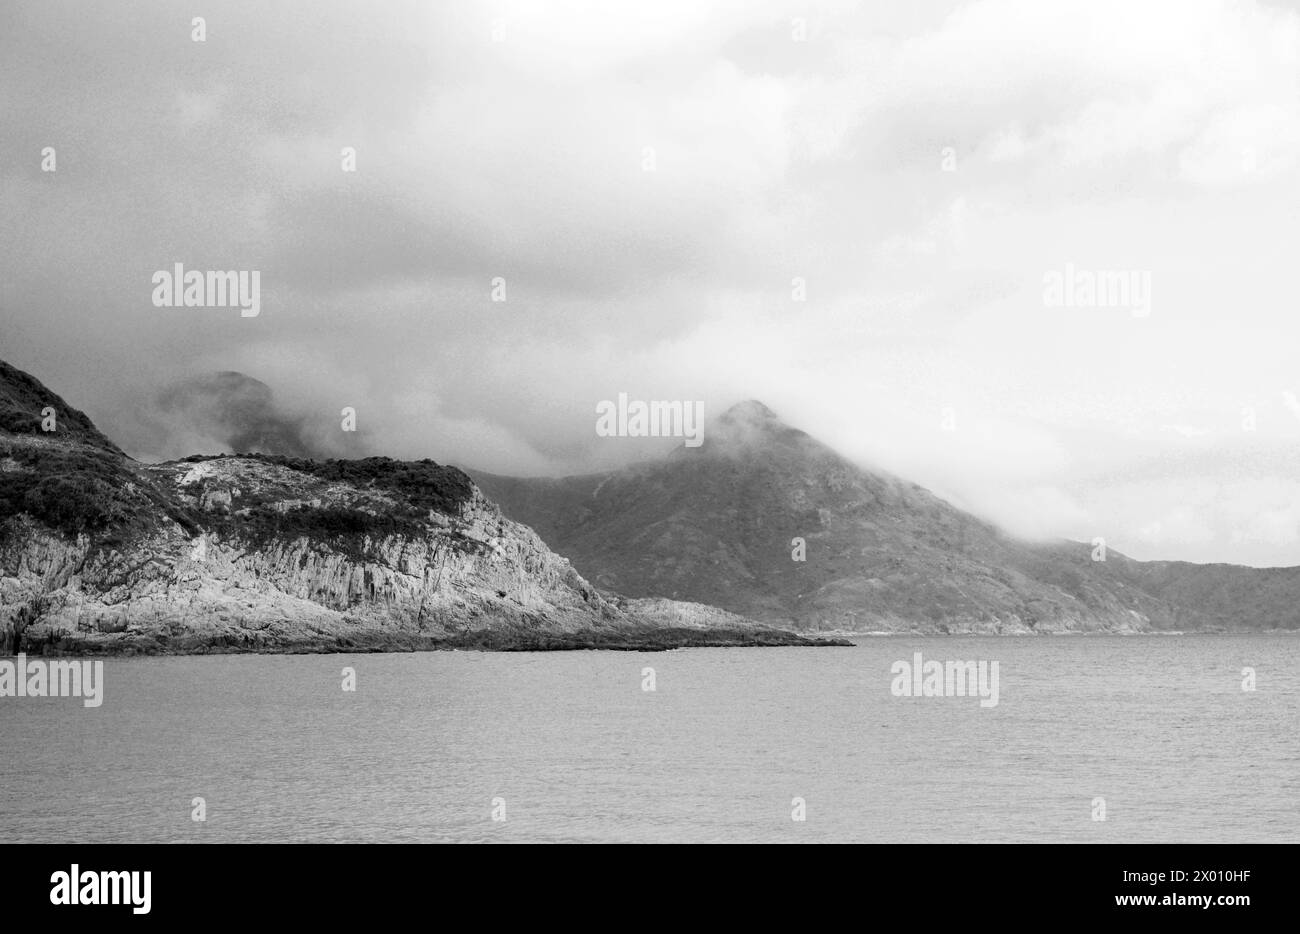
pixel 849 211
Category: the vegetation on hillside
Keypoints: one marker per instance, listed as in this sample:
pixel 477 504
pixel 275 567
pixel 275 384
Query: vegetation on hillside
pixel 75 489
pixel 22 400
pixel 78 489
pixel 423 484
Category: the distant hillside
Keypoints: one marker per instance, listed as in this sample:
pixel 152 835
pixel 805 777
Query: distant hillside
pixel 100 553
pixel 715 524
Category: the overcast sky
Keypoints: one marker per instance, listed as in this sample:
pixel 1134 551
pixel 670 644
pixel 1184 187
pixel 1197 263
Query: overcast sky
pixel 922 166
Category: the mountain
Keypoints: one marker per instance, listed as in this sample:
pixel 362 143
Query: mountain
pixel 717 524
pixel 101 553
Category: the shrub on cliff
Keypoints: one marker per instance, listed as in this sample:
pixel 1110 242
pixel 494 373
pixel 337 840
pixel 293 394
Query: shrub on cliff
pixel 77 490
pixel 424 484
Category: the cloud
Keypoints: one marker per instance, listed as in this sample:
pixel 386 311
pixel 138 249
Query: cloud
pixel 228 413
pixel 511 140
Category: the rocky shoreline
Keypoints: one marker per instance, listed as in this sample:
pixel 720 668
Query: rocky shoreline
pixel 657 640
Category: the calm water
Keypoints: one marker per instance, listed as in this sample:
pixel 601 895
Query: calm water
pixel 1158 726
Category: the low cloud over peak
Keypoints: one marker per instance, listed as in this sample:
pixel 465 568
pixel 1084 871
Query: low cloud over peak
pixel 845 209
pixel 232 413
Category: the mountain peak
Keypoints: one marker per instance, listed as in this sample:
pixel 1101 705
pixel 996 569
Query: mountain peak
pixel 749 426
pixel 751 411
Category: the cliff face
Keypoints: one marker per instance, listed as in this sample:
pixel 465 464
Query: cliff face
pixel 717 524
pixel 227 583
pixel 254 553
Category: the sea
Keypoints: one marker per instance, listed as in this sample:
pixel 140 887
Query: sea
pixel 1192 738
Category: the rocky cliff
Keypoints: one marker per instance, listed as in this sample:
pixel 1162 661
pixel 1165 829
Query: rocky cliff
pixel 100 553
